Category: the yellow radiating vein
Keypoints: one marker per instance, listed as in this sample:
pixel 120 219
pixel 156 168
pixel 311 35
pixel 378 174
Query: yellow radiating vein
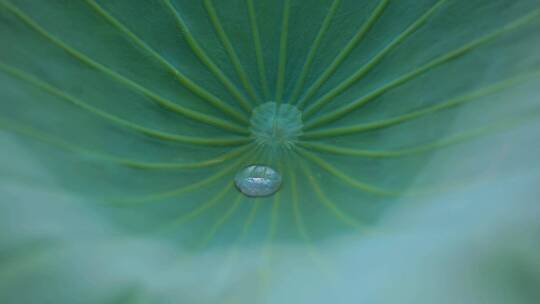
pixel 365 187
pixel 191 187
pixel 326 202
pixel 444 105
pixel 202 208
pixel 274 217
pixel 264 270
pixel 345 52
pixel 250 219
pixel 282 61
pixel 195 115
pixel 232 254
pixel 186 165
pixel 423 148
pixel 221 221
pixel 205 59
pixel 300 225
pixel 276 202
pixel 348 108
pixel 258 48
pixel 117 120
pixel 59 143
pixel 313 51
pixel 215 101
pixel 218 27
pixel 312 109
pixel 296 207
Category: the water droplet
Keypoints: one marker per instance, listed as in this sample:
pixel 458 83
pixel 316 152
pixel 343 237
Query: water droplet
pixel 258 181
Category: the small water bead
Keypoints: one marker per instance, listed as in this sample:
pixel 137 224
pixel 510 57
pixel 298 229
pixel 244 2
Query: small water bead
pixel 258 181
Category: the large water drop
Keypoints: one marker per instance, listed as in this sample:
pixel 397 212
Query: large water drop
pixel 258 181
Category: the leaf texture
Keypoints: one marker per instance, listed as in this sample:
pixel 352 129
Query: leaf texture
pixel 135 116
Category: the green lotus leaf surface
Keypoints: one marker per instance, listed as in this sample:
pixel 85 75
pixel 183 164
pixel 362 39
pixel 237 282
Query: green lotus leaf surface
pixel 124 123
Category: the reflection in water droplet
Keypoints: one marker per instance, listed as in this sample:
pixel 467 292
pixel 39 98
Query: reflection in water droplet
pixel 258 181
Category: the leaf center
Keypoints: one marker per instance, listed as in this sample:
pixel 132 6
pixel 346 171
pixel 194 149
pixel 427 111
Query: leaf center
pixel 276 126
